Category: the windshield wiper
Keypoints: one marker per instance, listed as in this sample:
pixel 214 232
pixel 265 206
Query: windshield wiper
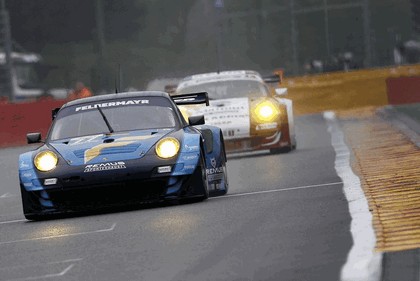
pixel 106 120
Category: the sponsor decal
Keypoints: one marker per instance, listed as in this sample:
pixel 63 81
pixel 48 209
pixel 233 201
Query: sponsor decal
pixel 266 126
pixel 51 181
pixel 186 99
pixel 229 116
pixel 189 157
pixel 229 133
pixel 164 169
pixel 104 167
pixel 83 140
pixel 191 147
pixel 189 167
pixel 110 104
pixel 221 108
pixel 213 162
pixel 213 171
pixel 23 165
pixel 215 177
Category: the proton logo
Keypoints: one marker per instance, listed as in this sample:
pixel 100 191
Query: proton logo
pixel 213 162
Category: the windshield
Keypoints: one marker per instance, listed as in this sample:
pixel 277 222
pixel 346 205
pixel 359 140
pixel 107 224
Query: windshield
pixel 228 89
pixel 26 76
pixel 122 115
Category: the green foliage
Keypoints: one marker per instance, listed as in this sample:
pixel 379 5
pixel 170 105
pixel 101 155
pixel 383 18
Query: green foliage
pixel 151 38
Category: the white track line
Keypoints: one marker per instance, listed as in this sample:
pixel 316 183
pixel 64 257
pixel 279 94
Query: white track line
pixel 60 236
pixel 363 263
pixel 7 195
pixel 278 190
pixel 62 273
pixel 43 264
pixel 65 261
pixel 13 221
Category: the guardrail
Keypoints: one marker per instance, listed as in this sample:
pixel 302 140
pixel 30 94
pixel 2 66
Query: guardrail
pixel 310 94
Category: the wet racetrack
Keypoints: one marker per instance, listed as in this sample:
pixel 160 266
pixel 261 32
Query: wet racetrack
pixel 285 218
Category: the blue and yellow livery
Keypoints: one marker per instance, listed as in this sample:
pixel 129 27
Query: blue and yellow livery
pixel 121 149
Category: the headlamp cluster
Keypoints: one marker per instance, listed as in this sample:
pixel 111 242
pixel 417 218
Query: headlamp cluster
pixel 45 161
pixel 167 147
pixel 266 111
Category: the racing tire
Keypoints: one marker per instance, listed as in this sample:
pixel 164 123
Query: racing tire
pixel 225 177
pixel 204 183
pixel 201 184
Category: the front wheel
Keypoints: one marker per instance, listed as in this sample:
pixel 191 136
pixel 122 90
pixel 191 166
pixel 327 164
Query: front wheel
pixel 222 185
pixel 204 181
pixel 200 183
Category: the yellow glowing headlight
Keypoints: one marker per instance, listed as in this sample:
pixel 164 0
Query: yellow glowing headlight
pixel 266 111
pixel 45 161
pixel 167 147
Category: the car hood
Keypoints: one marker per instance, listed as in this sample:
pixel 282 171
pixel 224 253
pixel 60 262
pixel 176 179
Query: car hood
pixel 227 114
pixel 107 148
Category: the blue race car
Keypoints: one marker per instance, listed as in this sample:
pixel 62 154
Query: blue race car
pixel 122 149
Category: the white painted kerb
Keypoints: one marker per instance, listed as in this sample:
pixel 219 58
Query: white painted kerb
pixel 363 263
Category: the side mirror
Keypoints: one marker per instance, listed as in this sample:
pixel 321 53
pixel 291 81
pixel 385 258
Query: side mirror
pixel 54 113
pixel 281 91
pixel 196 120
pixel 33 138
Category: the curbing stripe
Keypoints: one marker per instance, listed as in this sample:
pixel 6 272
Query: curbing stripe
pixel 363 263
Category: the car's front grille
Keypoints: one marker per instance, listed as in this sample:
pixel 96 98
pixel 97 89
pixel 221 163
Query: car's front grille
pixel 109 194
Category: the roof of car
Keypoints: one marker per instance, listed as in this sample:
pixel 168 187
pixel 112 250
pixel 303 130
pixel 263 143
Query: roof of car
pixel 220 76
pixel 100 98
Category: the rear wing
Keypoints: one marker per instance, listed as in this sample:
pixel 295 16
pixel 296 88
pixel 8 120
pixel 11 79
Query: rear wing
pixel 276 77
pixel 193 98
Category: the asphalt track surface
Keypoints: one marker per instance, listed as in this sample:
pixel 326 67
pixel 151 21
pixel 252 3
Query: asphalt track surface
pixel 285 218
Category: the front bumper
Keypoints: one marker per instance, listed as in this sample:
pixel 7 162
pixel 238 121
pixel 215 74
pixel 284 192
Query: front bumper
pixel 275 139
pixel 74 188
pixel 93 196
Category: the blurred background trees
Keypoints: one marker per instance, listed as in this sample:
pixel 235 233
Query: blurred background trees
pixel 153 38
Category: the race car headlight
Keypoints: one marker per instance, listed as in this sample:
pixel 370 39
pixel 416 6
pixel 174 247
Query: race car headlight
pixel 167 148
pixel 45 161
pixel 266 111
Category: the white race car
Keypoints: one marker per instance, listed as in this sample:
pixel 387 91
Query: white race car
pixel 252 115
